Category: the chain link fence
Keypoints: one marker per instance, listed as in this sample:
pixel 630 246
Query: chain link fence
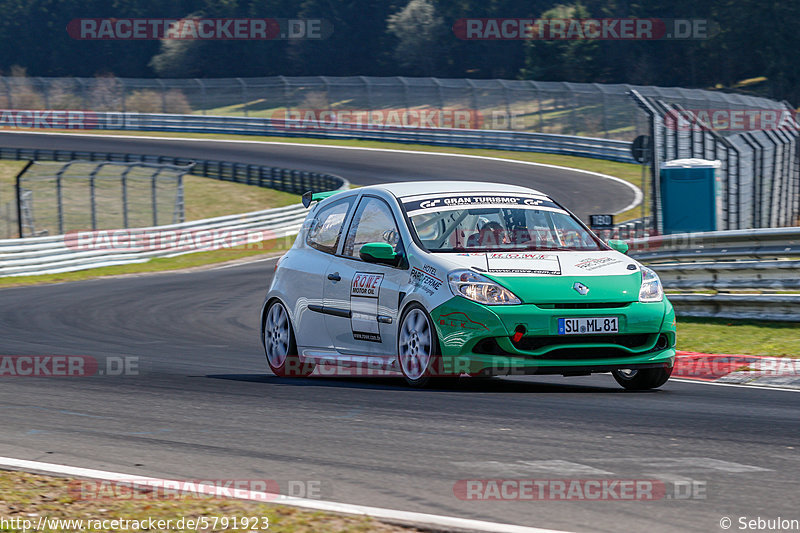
pixel 582 109
pixel 760 164
pixel 56 198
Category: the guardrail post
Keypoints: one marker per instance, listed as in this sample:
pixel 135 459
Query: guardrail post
pixel 19 196
pixel 59 197
pixel 244 95
pixel 178 213
pixel 163 95
pixel 405 91
pixel 92 199
pixel 124 185
pixel 286 102
pixel 154 181
pixel 8 92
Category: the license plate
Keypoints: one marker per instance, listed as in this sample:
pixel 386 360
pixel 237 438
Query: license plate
pixel 587 326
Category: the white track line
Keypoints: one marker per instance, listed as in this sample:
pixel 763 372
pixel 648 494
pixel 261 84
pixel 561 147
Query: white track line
pixel 637 193
pixel 317 505
pixel 760 387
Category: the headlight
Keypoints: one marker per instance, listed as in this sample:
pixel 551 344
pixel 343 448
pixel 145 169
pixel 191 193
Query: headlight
pixel 651 290
pixel 481 289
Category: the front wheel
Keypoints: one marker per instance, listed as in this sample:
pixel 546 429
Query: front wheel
pixel 280 345
pixel 642 379
pixel 418 347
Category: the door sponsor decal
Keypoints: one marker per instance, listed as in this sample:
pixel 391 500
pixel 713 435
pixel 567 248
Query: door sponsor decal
pixel 425 279
pixel 593 263
pixel 524 263
pixel 364 292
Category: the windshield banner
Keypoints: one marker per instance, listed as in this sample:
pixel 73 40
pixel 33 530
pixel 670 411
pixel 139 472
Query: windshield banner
pixel 439 202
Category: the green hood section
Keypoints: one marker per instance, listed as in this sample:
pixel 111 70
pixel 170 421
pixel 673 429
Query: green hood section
pixel 559 289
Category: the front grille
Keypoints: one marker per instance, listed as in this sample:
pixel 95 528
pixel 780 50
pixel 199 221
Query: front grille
pixel 533 343
pixel 585 305
pixel 584 353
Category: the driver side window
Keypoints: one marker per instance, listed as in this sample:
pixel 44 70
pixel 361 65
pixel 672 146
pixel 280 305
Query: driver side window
pixel 372 222
pixel 325 229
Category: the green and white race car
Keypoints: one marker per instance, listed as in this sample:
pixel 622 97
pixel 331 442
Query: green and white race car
pixel 440 279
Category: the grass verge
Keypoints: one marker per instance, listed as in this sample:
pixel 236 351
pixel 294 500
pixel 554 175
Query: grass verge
pixel 740 337
pixel 31 496
pixel 209 198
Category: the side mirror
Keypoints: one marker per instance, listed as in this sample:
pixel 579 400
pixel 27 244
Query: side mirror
pixel 620 246
pixel 379 252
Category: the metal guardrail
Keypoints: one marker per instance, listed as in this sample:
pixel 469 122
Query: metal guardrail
pixel 749 274
pixel 731 245
pixel 614 150
pixel 282 179
pixel 774 307
pixel 84 250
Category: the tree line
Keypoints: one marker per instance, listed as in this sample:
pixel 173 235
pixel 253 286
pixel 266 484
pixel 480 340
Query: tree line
pixel 750 47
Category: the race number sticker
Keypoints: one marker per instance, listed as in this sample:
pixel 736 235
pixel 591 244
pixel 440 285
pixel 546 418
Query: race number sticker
pixel 364 292
pixel 524 263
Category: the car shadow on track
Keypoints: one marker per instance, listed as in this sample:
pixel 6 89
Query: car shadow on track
pixel 473 385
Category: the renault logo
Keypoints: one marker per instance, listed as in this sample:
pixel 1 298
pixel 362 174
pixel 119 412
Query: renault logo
pixel 582 289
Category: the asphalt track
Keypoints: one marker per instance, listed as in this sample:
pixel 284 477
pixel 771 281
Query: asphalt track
pixel 582 193
pixel 204 406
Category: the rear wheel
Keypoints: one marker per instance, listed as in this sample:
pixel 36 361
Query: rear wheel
pixel 642 379
pixel 418 347
pixel 280 345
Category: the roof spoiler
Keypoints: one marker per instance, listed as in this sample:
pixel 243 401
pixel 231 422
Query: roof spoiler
pixel 310 196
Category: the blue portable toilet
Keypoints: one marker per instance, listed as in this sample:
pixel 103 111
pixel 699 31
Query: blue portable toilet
pixel 690 196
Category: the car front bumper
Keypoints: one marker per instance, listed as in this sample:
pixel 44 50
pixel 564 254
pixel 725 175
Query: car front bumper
pixel 477 339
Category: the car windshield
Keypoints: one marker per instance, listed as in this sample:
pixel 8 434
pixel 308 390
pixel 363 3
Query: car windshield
pixel 498 227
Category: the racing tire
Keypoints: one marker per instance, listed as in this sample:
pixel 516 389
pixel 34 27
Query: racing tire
pixel 642 379
pixel 418 354
pixel 280 346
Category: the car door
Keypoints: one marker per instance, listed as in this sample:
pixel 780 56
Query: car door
pixel 306 272
pixel 365 296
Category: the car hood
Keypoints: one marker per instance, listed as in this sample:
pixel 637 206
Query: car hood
pixel 551 277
